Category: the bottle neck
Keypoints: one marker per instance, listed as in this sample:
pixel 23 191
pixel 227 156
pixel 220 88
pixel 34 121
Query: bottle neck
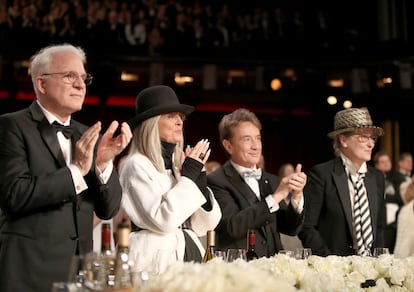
pixel 211 238
pixel 105 238
pixel 251 240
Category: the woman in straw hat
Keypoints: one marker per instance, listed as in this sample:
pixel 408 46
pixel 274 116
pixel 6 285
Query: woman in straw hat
pixel 165 191
pixel 344 197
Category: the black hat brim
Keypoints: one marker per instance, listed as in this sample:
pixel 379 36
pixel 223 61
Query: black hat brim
pixel 181 108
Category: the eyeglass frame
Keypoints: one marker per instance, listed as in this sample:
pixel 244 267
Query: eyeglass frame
pixel 364 138
pixel 72 77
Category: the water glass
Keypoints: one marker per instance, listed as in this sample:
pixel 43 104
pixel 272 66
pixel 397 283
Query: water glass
pixel 220 254
pixel 302 253
pixel 234 254
pixel 287 252
pixel 65 287
pixel 378 251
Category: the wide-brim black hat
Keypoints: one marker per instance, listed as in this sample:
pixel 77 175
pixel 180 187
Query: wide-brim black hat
pixel 157 100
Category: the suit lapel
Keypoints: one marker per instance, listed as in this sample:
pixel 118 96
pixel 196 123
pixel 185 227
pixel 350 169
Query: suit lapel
pixel 265 187
pixel 237 181
pixel 244 190
pixel 341 181
pixel 371 186
pixel 47 133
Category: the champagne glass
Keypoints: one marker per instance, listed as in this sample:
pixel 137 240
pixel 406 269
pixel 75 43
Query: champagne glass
pixel 234 254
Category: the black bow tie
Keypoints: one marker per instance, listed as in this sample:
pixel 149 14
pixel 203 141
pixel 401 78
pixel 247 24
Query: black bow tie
pixel 67 131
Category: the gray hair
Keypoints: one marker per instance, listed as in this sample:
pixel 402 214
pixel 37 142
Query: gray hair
pixel 40 62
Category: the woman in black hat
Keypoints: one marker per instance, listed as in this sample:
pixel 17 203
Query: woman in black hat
pixel 165 190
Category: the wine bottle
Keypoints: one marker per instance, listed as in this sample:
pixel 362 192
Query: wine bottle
pixel 251 245
pixel 211 246
pixel 106 273
pixel 123 269
pixel 106 239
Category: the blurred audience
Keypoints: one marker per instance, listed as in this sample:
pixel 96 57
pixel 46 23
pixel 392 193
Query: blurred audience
pixel 167 27
pixel 393 200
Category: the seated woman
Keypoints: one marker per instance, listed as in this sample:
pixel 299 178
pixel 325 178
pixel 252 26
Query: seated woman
pixel 165 191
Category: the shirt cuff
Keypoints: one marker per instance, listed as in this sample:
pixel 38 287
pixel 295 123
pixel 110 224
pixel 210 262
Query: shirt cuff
pixel 271 204
pixel 78 180
pixel 298 206
pixel 103 176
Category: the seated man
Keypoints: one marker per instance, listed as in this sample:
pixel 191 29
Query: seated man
pixel 251 198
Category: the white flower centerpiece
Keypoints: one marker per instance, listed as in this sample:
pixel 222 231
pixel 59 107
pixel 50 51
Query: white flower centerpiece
pixel 283 273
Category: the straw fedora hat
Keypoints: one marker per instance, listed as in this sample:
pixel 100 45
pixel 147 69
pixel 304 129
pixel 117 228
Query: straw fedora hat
pixel 157 100
pixel 353 119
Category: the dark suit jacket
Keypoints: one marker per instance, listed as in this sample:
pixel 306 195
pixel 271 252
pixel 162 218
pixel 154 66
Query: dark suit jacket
pixel 44 222
pixel 241 210
pixel 328 225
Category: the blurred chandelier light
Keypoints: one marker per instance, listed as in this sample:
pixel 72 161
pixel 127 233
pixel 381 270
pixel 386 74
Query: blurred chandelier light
pixel 336 82
pixel 332 100
pixel 182 80
pixel 276 84
pixel 129 76
pixel 382 82
pixel 290 73
pixel 347 104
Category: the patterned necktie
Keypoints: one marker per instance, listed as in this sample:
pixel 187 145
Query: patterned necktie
pixel 362 218
pixel 67 131
pixel 254 173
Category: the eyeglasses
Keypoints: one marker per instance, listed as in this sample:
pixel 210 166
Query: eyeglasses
pixel 70 77
pixel 365 138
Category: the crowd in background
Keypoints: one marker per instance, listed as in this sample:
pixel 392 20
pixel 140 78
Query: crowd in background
pixel 177 28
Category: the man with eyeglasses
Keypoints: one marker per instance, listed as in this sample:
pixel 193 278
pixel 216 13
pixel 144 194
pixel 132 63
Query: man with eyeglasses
pixel 344 197
pixel 56 173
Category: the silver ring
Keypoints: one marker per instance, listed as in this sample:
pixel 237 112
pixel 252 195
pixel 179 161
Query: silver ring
pixel 201 156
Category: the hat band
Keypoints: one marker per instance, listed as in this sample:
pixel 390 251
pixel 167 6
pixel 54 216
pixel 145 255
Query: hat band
pixel 355 126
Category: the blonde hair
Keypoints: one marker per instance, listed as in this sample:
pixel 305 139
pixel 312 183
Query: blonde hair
pixel 146 140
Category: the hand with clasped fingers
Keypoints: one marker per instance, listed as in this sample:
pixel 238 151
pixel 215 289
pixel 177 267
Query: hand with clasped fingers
pixel 200 152
pixel 108 148
pixel 293 184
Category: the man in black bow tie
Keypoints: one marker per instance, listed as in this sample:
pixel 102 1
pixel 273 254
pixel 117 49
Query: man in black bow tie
pixel 52 183
pixel 249 197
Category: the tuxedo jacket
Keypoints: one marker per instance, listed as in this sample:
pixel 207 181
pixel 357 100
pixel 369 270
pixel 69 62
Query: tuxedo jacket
pixel 241 210
pixel 44 222
pixel 328 224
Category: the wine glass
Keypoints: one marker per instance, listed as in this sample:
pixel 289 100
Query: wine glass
pixel 234 254
pixel 378 251
pixel 220 254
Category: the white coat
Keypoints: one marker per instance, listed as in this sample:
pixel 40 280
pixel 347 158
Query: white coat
pixel 160 203
pixel 404 243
